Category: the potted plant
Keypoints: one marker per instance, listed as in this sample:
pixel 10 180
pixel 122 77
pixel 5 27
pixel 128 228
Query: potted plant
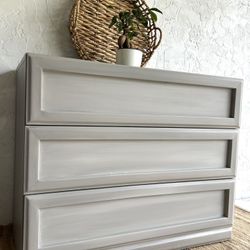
pixel 127 23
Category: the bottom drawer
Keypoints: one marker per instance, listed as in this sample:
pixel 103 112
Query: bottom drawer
pixel 162 216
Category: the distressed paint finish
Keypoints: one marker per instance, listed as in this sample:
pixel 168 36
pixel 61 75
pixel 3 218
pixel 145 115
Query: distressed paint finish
pixel 211 37
pixel 125 216
pixel 122 146
pixel 113 156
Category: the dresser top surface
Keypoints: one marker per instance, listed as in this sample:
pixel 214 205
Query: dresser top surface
pixel 115 70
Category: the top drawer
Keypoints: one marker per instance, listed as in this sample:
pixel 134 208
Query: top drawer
pixel 74 92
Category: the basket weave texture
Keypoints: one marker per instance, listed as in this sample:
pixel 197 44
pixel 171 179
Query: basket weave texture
pixel 95 41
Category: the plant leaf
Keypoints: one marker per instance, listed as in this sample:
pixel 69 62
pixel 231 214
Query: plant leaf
pixel 132 34
pixel 119 26
pixel 153 16
pixel 113 21
pixel 121 14
pixel 137 13
pixel 156 10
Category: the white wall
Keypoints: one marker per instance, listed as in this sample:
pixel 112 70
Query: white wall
pixel 211 37
pixel 39 26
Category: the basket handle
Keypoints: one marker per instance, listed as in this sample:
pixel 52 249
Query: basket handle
pixel 159 39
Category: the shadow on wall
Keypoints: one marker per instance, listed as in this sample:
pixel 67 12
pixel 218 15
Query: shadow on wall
pixel 7 139
pixel 42 28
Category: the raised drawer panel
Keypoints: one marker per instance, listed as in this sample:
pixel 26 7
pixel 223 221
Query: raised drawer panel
pixel 67 91
pixel 109 217
pixel 74 157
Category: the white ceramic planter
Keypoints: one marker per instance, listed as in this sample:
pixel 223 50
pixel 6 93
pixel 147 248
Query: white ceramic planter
pixel 130 57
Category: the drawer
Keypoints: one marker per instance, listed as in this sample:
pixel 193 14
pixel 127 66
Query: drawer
pixel 60 158
pixel 136 217
pixel 74 92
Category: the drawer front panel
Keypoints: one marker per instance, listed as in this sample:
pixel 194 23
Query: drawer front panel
pixel 101 218
pixel 70 158
pixel 73 92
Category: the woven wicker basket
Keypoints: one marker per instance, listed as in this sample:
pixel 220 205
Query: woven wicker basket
pixel 95 41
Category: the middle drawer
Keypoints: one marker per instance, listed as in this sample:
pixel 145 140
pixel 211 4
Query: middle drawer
pixel 65 158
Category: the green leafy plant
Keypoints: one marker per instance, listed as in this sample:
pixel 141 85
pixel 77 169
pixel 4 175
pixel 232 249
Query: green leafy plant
pixel 127 23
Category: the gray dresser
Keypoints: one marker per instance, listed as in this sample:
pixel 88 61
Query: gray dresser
pixel 114 157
